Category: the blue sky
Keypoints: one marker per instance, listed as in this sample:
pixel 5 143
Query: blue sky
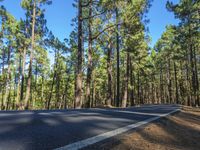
pixel 159 18
pixel 60 14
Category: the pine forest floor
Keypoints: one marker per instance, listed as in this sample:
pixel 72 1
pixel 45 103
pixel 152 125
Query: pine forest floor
pixel 178 132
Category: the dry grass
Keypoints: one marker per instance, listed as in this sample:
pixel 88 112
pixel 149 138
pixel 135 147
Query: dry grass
pixel 178 132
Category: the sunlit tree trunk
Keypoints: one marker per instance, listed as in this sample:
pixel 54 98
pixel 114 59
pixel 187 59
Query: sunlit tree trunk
pixel 109 71
pixel 22 77
pixel 126 80
pixel 18 82
pixel 89 69
pixel 132 79
pixel 8 80
pixel 78 82
pixel 26 101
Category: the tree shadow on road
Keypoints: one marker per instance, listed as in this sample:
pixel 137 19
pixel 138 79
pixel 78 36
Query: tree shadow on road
pixel 53 129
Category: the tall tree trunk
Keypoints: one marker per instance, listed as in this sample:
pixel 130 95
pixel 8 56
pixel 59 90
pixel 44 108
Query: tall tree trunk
pixel 28 89
pixel 51 92
pixel 94 94
pixel 109 70
pixel 3 64
pixel 78 82
pixel 57 88
pixel 125 97
pixel 132 79
pixel 197 102
pixel 48 103
pixel 176 83
pixel 89 68
pixel 42 90
pixel 188 85
pixel 169 82
pixel 118 60
pixel 18 82
pixel 161 84
pixel 93 102
pixel 66 92
pixel 35 87
pixel 8 79
pixel 193 74
pixel 139 85
pixel 22 77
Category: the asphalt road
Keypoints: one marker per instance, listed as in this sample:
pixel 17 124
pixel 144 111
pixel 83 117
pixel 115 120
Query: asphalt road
pixel 41 130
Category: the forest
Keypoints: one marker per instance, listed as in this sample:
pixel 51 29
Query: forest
pixel 107 61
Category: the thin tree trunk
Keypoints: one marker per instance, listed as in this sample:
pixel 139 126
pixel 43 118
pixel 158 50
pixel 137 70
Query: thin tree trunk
pixel 138 88
pixel 42 91
pixel 51 92
pixel 188 85
pixel 22 77
pixel 8 79
pixel 18 83
pixel 193 74
pixel 57 89
pixel 54 77
pixel 169 82
pixel 28 89
pixel 94 94
pixel 176 83
pixel 118 60
pixel 161 84
pixel 109 71
pixel 125 97
pixel 197 102
pixel 35 86
pixel 132 83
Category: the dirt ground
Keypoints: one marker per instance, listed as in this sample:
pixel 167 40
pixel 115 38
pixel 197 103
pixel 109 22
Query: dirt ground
pixel 178 132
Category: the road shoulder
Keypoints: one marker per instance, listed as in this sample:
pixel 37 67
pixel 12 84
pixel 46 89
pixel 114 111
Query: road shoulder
pixel 178 132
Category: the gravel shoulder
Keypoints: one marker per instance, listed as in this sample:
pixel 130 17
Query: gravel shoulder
pixel 178 132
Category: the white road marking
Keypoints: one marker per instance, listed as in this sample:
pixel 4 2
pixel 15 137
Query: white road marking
pixel 84 143
pixel 132 112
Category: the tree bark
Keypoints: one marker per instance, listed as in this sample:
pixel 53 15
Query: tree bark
pixel 169 82
pixel 54 78
pixel 78 82
pixel 89 68
pixel 125 97
pixel 118 60
pixel 109 71
pixel 22 77
pixel 8 79
pixel 28 89
pixel 176 83
pixel 197 102
pixel 132 79
pixel 161 84
pixel 18 82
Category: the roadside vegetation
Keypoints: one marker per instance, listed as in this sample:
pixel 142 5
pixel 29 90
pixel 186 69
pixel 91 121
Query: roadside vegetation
pixel 180 131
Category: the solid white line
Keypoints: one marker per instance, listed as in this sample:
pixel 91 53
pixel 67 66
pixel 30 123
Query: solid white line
pixel 84 143
pixel 133 112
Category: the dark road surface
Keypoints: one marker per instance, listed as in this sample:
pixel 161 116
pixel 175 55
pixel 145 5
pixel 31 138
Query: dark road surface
pixel 41 130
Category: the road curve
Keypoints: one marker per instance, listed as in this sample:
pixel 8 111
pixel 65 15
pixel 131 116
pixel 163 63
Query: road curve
pixel 44 130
